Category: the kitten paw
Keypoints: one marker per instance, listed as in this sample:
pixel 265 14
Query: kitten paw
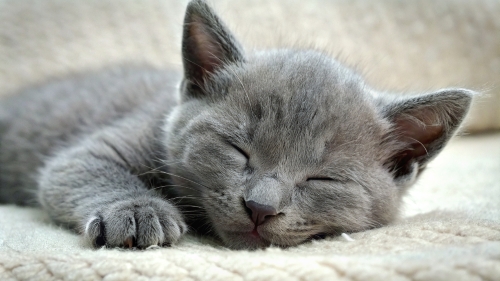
pixel 140 222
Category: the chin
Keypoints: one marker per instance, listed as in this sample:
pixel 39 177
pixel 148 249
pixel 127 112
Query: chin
pixel 244 240
pixel 254 240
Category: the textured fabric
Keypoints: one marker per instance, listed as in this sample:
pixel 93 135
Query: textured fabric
pixel 450 230
pixel 399 45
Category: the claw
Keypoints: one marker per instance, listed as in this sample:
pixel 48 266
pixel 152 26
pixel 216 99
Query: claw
pixel 129 242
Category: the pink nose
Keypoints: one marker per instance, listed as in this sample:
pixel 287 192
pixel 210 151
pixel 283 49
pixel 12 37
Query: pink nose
pixel 259 212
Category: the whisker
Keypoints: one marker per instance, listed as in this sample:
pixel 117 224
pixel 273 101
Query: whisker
pixel 423 146
pixel 191 181
pixel 156 170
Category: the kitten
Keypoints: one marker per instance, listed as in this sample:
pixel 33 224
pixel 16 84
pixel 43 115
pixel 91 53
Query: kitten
pixel 269 148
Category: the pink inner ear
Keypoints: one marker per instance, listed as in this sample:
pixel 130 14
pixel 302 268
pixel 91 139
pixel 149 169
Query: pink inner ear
pixel 419 129
pixel 207 52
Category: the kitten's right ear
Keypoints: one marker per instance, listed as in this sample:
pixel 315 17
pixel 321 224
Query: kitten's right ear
pixel 422 126
pixel 207 45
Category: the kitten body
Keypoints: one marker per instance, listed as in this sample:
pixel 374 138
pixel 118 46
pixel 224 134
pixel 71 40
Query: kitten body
pixel 273 147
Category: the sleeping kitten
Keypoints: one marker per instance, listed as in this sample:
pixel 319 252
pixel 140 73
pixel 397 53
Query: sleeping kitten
pixel 268 148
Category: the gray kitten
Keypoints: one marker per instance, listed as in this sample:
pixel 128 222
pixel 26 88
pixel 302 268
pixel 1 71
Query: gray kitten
pixel 269 148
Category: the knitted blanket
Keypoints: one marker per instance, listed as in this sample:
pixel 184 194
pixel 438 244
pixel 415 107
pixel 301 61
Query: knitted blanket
pixel 450 230
pixel 450 224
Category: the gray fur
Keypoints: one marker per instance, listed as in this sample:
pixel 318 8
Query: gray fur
pixel 115 155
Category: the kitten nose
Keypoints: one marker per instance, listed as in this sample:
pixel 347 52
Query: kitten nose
pixel 260 212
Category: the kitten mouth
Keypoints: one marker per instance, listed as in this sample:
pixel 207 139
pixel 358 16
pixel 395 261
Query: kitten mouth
pixel 255 233
pixel 254 236
pixel 248 240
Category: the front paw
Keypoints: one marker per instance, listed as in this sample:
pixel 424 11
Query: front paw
pixel 139 222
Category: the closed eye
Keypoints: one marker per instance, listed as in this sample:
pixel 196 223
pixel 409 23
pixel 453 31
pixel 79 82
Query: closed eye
pixel 241 151
pixel 321 179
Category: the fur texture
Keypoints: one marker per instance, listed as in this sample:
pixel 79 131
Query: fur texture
pixel 116 155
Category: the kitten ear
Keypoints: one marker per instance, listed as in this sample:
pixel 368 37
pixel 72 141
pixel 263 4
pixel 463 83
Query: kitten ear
pixel 421 128
pixel 207 44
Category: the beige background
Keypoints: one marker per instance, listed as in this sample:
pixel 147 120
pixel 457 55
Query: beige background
pixel 406 45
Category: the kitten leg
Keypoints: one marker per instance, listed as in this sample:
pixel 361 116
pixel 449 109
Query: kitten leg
pixel 91 187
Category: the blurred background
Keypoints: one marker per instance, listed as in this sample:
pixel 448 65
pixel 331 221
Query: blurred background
pixel 407 46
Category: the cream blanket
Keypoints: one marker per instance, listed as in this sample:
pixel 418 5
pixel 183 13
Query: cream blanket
pixel 450 229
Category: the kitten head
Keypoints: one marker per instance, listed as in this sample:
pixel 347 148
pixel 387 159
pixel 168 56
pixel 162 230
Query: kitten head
pixel 284 145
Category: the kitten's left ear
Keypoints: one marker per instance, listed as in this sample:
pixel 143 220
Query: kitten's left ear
pixel 421 127
pixel 207 45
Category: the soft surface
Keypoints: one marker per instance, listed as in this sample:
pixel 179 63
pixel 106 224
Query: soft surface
pixel 450 230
